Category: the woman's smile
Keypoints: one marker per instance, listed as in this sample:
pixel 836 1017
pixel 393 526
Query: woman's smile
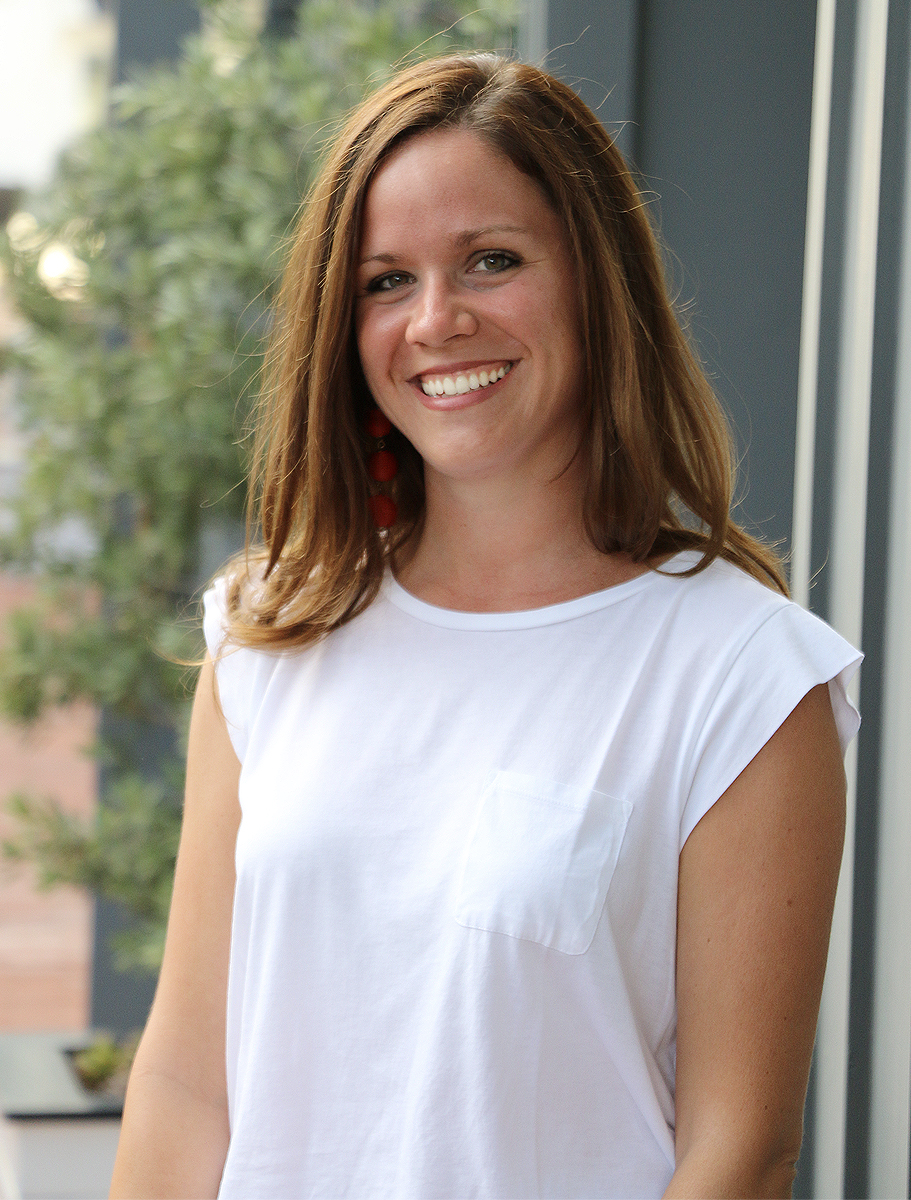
pixel 467 323
pixel 459 382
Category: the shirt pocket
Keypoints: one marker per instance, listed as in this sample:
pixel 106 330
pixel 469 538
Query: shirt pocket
pixel 540 861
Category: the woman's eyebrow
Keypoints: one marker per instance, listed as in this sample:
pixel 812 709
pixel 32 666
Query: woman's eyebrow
pixel 388 259
pixel 474 235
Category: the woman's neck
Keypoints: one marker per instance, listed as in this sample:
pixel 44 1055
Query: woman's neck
pixel 502 547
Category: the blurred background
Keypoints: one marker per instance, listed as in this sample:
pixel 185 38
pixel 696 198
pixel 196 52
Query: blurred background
pixel 152 156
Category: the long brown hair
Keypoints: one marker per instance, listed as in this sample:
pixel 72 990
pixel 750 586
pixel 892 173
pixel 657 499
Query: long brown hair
pixel 658 457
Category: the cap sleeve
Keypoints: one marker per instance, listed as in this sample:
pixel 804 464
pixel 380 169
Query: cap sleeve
pixel 236 668
pixel 790 653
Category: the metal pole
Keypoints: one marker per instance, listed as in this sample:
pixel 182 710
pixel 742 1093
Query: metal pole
pixel 848 536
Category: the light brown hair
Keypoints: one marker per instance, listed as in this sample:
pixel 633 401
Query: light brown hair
pixel 657 449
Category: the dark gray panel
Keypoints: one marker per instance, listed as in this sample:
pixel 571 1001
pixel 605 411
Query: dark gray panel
pixel 594 47
pixel 148 32
pixel 151 31
pixel 726 93
pixel 120 999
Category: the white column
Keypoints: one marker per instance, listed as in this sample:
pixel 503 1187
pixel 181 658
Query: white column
pixel 890 1111
pixel 848 536
pixel 533 39
pixel 811 307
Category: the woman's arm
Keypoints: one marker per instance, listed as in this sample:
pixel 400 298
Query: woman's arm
pixel 757 886
pixel 175 1124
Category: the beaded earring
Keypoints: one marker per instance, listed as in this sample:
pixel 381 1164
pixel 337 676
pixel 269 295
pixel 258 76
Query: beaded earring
pixel 382 467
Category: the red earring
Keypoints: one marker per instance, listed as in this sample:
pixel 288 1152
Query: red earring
pixel 382 467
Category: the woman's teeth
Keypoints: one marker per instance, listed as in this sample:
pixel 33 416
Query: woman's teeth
pixel 458 385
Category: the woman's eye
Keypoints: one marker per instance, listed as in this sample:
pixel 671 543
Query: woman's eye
pixel 389 282
pixel 495 260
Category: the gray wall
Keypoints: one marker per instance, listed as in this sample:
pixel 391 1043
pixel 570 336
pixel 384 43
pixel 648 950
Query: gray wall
pixel 713 106
pixel 725 92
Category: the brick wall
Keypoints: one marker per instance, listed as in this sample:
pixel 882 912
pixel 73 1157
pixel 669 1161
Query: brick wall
pixel 45 937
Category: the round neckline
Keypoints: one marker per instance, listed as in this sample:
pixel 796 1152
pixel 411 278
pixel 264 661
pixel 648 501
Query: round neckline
pixel 530 618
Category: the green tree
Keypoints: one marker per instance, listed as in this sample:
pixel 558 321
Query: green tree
pixel 144 276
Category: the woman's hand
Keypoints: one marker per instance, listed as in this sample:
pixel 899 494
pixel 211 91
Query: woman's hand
pixel 757 886
pixel 175 1125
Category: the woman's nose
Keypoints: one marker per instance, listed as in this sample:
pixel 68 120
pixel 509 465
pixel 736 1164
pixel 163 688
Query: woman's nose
pixel 439 312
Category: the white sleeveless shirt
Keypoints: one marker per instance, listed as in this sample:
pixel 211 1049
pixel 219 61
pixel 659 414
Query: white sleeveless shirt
pixel 452 958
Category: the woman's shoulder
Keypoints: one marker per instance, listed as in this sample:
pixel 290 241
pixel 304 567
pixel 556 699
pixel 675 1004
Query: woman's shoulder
pixel 736 624
pixel 242 673
pixel 714 604
pixel 720 580
pixel 745 656
pixel 215 616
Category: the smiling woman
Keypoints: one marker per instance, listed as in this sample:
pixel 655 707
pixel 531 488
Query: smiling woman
pixel 515 800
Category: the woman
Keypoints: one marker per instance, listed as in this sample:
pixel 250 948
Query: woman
pixel 542 790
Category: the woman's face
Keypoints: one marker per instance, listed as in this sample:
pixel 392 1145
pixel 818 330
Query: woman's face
pixel 466 313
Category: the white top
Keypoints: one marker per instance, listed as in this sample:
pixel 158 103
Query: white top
pixel 452 960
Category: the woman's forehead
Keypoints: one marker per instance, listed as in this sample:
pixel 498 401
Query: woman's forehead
pixel 452 183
